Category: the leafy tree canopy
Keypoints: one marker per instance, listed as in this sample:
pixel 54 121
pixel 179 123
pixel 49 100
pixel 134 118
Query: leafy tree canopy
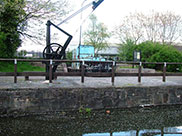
pixel 23 18
pixel 152 52
pixel 97 34
pixel 11 16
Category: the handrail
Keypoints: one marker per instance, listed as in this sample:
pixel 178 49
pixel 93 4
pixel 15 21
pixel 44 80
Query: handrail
pixel 79 61
pixel 82 72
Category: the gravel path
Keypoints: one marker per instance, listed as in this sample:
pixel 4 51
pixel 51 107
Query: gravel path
pixel 75 82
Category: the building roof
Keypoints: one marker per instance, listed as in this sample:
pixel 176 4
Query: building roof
pixel 111 50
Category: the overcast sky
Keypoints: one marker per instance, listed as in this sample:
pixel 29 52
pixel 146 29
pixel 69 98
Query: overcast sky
pixel 111 12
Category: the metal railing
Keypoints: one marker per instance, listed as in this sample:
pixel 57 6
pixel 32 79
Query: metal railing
pixel 82 72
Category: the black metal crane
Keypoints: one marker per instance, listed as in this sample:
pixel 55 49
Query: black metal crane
pixel 55 50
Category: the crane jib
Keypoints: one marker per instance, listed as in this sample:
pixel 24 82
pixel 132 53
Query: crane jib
pixel 96 4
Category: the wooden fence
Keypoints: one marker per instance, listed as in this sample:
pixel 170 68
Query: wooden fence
pixel 82 73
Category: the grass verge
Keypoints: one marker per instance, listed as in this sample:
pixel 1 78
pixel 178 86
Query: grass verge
pixel 21 67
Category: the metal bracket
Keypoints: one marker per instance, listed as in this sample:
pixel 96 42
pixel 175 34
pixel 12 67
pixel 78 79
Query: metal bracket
pixel 165 64
pixel 15 61
pixel 140 64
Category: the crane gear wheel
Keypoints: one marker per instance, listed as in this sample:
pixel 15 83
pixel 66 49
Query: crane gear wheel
pixel 54 53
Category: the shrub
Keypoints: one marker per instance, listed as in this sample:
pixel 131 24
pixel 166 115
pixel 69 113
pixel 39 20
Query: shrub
pixel 126 50
pixel 148 49
pixel 168 54
pixel 153 52
pixel 3 46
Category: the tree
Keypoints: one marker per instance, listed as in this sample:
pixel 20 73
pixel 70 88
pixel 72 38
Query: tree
pixel 21 18
pixel 129 29
pixel 97 35
pixel 126 50
pixel 22 53
pixel 69 55
pixel 11 16
pixel 171 27
pixel 152 52
pixel 38 12
pixel 156 27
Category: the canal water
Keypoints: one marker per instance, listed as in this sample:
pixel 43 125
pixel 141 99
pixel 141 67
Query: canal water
pixel 141 121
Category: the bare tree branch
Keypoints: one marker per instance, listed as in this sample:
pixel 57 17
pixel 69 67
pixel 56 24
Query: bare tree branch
pixel 157 27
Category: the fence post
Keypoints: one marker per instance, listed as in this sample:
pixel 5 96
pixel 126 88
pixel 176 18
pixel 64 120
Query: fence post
pixel 50 71
pixel 15 71
pixel 139 72
pixel 82 71
pixel 164 72
pixel 113 72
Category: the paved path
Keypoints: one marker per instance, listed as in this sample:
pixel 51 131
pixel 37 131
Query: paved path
pixel 75 82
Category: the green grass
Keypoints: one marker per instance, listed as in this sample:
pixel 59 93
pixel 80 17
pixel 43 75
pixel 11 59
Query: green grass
pixel 21 67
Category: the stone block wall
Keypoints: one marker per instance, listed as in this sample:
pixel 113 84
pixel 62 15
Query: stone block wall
pixel 37 101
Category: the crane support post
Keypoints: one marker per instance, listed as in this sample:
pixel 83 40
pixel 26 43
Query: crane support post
pixel 96 4
pixel 48 36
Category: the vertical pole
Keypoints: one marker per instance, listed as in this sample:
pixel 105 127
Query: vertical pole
pixel 80 38
pixel 137 132
pixel 139 72
pixel 164 72
pixel 50 72
pixel 162 131
pixel 82 72
pixel 15 71
pixel 80 42
pixel 113 72
pixel 100 67
pixel 26 78
pixel 48 41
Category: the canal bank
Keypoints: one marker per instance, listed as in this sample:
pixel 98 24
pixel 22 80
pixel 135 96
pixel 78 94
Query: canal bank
pixel 26 101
